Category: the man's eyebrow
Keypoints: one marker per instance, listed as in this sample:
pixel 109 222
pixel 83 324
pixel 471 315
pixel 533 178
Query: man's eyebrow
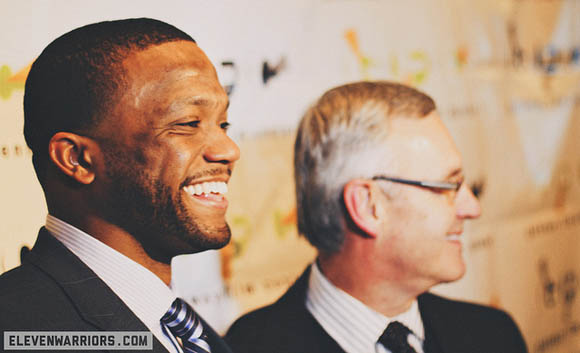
pixel 197 101
pixel 455 172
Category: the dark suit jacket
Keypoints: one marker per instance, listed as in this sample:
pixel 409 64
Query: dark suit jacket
pixel 450 327
pixel 53 290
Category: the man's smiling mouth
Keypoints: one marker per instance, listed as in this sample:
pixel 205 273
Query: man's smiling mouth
pixel 206 188
pixel 209 193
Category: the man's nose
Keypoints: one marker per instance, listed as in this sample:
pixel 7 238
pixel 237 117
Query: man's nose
pixel 222 150
pixel 467 204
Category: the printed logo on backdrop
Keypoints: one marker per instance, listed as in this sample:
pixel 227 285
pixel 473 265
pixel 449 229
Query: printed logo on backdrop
pixel 411 68
pixel 228 74
pixel 269 71
pixel 284 222
pixel 561 184
pixel 14 150
pixel 554 227
pixel 549 58
pixel 480 244
pixel 545 71
pixel 10 82
pixel 415 67
pixel 558 288
pixel 559 292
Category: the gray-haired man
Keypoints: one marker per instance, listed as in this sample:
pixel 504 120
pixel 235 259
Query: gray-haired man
pixel 381 194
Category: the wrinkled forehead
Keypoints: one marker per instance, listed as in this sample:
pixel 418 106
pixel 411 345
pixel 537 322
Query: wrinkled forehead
pixel 196 89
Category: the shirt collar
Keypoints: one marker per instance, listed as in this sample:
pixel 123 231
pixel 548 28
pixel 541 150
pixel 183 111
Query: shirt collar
pixel 349 321
pixel 142 291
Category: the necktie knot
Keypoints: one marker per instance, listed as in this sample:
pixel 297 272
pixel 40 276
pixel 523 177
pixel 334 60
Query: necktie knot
pixel 395 338
pixel 185 324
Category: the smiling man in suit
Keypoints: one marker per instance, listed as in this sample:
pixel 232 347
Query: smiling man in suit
pixel 380 193
pixel 127 124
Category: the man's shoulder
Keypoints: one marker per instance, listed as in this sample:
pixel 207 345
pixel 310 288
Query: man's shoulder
pixel 21 282
pixel 465 326
pixel 29 298
pixel 274 317
pixel 283 327
pixel 291 306
pixel 458 308
pixel 32 286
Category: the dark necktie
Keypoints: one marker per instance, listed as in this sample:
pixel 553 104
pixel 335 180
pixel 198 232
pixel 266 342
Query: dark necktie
pixel 395 338
pixel 184 323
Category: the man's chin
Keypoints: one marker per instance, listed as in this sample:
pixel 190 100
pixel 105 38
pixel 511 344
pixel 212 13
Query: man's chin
pixel 455 274
pixel 215 243
pixel 210 239
pixel 186 244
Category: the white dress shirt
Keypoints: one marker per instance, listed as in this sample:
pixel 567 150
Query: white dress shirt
pixel 143 292
pixel 354 326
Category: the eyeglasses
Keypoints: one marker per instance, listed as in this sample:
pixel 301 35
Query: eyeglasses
pixel 434 185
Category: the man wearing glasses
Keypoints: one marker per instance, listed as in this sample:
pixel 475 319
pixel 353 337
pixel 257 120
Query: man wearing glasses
pixel 380 194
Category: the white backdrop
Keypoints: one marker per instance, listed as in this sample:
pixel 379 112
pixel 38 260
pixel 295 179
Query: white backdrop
pixel 505 74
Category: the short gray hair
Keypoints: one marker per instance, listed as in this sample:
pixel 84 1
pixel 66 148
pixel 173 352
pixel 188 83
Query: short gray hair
pixel 336 142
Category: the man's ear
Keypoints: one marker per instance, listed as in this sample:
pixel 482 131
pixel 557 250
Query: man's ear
pixel 361 203
pixel 71 153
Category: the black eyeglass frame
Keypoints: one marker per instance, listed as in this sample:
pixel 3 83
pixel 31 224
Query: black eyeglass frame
pixel 436 185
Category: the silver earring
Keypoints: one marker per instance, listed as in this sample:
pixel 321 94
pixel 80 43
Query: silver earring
pixel 72 161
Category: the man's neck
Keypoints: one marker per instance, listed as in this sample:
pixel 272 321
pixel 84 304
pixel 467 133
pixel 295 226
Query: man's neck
pixel 121 241
pixel 361 281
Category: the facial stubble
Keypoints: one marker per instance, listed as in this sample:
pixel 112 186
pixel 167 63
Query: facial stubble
pixel 154 214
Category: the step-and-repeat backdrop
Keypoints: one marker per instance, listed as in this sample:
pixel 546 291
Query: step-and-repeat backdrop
pixel 505 74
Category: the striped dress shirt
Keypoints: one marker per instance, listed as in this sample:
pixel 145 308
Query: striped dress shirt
pixel 143 292
pixel 354 326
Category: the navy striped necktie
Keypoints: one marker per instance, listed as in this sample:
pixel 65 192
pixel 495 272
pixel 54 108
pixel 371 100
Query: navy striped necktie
pixel 395 338
pixel 184 323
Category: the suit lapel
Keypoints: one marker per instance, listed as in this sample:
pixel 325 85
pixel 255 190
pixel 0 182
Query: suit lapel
pixel 440 326
pixel 293 309
pixel 432 330
pixel 216 342
pixel 94 300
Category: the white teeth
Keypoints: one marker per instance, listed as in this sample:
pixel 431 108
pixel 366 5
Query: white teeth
pixel 215 187
pixel 453 237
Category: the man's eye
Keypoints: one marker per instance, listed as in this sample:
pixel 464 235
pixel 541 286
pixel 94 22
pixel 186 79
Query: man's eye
pixel 225 125
pixel 194 123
